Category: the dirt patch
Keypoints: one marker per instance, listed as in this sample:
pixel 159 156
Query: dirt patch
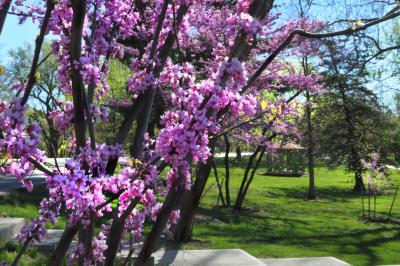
pixel 192 244
pixel 316 198
pixel 202 219
pixel 198 244
pixel 245 209
pixel 375 219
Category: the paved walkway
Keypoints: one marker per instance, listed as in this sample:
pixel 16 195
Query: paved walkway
pixel 8 182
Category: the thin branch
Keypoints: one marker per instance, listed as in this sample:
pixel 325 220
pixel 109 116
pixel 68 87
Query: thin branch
pixel 41 166
pixel 311 35
pixel 94 24
pixel 253 119
pixel 51 144
pixel 17 14
pixel 44 59
pixel 153 7
pixel 90 127
pixel 51 96
pixel 39 42
pixel 381 51
pixel 29 239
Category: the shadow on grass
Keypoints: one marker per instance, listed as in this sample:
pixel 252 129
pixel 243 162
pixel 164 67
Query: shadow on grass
pixel 361 242
pixel 330 193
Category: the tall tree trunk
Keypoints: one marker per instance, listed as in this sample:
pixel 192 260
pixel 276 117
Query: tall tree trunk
pixel 238 203
pixel 355 158
pixel 189 200
pixel 227 150
pixel 238 153
pixel 54 136
pixel 158 227
pixel 241 193
pixel 3 14
pixel 219 185
pixel 58 255
pixel 310 153
pixel 359 182
pixel 240 199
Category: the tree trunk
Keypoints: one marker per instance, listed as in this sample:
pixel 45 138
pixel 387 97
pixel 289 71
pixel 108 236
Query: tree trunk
pixel 239 201
pixel 354 156
pixel 227 150
pixel 310 150
pixel 238 153
pixel 240 197
pixel 156 231
pixel 54 136
pixel 3 14
pixel 189 200
pixel 58 255
pixel 359 182
pixel 219 185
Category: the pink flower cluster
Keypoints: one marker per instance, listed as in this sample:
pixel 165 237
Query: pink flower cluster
pixel 375 177
pixel 233 70
pixel 98 157
pixel 174 217
pixel 244 21
pixel 18 86
pixel 49 211
pixel 140 81
pixel 63 119
pixel 98 113
pixel 81 192
pixel 19 138
pixel 177 138
pixel 173 73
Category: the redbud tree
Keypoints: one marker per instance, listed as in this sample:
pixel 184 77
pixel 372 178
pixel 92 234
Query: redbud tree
pixel 229 41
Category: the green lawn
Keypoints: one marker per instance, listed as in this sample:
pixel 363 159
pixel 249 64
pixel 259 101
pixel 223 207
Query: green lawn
pixel 284 225
pixel 280 223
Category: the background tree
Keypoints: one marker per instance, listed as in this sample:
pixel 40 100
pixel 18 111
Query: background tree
pixel 350 120
pixel 46 90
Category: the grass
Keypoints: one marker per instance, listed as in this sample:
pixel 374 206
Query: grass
pixel 279 223
pixel 9 250
pixel 284 225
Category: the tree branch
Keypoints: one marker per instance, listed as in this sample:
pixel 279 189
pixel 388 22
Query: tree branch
pixel 311 35
pixel 39 42
pixel 78 18
pixel 164 52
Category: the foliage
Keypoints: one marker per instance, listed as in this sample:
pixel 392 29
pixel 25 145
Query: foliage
pixel 45 91
pixel 375 177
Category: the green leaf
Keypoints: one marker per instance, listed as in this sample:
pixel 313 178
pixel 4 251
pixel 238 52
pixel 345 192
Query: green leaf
pixel 41 114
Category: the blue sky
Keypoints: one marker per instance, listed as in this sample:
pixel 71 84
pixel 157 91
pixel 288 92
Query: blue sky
pixel 14 35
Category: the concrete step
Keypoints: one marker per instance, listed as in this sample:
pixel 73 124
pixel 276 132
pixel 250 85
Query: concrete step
pixel 213 257
pixel 10 227
pixel 50 242
pixel 314 261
